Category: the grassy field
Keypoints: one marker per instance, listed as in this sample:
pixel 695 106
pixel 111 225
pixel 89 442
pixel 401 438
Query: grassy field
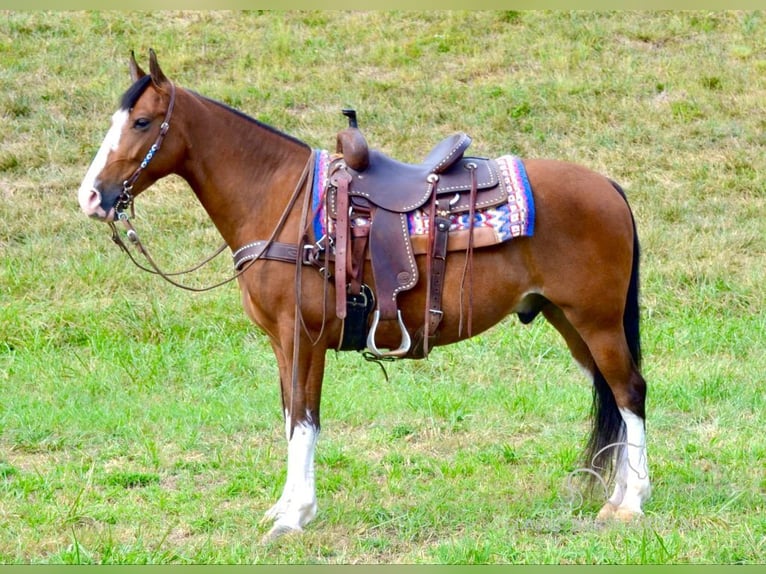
pixel 141 424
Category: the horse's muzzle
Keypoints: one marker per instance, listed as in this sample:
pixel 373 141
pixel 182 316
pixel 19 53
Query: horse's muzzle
pixel 93 204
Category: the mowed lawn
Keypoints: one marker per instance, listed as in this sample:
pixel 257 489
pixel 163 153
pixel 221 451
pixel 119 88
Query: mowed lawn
pixel 142 424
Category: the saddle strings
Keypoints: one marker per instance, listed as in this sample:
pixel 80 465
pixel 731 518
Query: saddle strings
pixel 429 265
pixel 468 267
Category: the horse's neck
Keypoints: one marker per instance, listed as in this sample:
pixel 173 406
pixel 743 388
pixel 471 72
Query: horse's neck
pixel 242 172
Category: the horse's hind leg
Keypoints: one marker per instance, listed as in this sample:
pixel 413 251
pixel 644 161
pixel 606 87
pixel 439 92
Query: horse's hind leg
pixel 577 346
pixel 629 389
pixel 619 426
pixel 616 372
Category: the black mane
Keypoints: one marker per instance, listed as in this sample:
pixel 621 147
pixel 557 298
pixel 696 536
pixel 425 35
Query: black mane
pixel 130 97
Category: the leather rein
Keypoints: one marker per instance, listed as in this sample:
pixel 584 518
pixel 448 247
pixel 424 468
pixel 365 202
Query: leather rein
pixel 268 249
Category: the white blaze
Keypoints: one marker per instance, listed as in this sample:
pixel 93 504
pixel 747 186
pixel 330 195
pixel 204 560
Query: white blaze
pixel 88 195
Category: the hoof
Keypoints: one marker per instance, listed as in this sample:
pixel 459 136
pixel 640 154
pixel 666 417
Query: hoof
pixel 612 512
pixel 627 515
pixel 606 513
pixel 278 531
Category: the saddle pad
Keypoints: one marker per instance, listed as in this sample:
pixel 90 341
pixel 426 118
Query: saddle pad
pixel 516 218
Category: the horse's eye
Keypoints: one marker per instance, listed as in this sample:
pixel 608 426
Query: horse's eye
pixel 142 123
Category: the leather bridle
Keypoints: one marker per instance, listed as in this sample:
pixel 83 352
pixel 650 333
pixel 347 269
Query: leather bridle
pixel 125 200
pixel 125 203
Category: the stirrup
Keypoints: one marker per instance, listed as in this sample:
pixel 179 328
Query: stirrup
pixel 404 347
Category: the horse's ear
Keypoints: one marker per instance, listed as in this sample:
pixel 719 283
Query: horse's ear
pixel 154 68
pixel 136 73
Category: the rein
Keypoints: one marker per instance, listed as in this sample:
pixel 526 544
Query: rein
pixel 153 268
pixel 133 237
pixel 125 204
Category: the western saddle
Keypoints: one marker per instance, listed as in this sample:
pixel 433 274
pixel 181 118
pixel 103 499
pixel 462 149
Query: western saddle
pixel 369 196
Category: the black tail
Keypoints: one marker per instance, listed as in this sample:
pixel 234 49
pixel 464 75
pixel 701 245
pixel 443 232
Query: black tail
pixel 608 426
pixel 630 319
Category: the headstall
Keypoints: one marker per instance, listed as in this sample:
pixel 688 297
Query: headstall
pixel 125 200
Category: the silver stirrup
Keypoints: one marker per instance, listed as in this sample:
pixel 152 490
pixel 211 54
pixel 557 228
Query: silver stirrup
pixel 404 347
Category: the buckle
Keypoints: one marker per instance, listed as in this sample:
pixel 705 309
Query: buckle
pixel 310 254
pixel 306 254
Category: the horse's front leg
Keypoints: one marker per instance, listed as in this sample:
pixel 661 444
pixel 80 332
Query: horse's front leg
pixel 297 505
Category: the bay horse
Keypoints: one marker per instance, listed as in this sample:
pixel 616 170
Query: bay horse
pixel 579 270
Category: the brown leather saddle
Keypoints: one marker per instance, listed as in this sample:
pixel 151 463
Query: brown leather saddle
pixel 369 196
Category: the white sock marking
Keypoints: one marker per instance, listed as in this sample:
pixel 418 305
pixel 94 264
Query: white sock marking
pixel 633 485
pixel 297 505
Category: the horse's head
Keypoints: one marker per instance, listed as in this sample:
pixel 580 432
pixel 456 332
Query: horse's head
pixel 125 164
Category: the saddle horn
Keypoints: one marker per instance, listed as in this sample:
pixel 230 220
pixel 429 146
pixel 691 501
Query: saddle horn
pixel 352 145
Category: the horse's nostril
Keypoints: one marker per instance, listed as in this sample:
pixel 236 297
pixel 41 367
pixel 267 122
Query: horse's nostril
pixel 92 201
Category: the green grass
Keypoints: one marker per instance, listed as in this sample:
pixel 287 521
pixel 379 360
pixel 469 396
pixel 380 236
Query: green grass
pixel 141 424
